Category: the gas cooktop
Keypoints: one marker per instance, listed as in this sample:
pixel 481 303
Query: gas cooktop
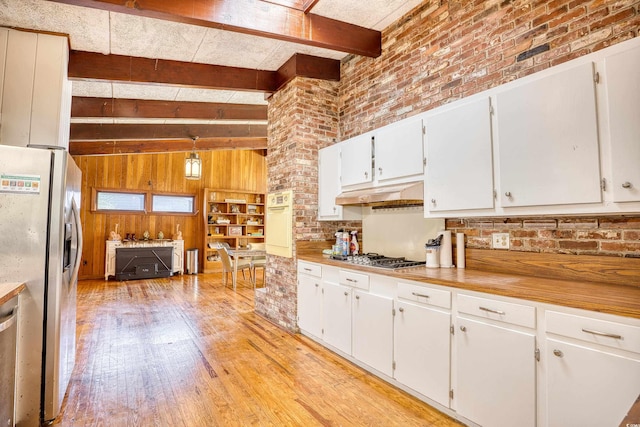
pixel 377 260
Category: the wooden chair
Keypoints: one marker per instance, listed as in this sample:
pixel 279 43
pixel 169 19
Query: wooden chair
pixel 258 262
pixel 227 265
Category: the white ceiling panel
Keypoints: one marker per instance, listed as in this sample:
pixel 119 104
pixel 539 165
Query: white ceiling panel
pixel 88 28
pixel 92 89
pixel 163 93
pixel 374 14
pixel 154 38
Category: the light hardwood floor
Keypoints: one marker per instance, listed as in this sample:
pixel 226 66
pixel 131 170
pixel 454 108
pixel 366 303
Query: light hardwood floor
pixel 185 351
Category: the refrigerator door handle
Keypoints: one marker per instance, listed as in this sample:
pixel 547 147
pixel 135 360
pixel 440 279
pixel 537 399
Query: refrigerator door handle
pixel 76 216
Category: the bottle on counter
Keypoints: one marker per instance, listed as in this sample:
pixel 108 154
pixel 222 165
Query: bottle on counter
pixel 354 248
pixel 345 243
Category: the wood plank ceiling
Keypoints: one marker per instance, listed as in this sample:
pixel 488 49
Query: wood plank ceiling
pixel 171 72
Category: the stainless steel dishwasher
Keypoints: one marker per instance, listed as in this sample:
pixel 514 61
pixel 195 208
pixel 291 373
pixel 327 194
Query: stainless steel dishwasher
pixel 8 329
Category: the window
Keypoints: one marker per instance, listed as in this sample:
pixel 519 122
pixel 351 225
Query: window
pixel 172 203
pixel 119 201
pixel 116 200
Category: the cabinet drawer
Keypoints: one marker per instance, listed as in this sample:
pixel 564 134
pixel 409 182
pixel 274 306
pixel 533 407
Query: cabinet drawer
pixel 425 295
pixel 603 332
pixel 508 312
pixel 310 269
pixel 356 280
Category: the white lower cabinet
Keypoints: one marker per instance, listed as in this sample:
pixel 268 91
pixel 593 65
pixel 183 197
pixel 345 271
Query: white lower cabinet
pixel 422 350
pixel 496 375
pixel 590 382
pixel 586 373
pixel 336 314
pixel 310 304
pixel 373 331
pixel 496 364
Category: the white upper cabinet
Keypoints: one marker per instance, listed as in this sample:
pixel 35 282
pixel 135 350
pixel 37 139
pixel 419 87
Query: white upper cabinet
pixel 459 171
pixel 329 187
pixel 19 67
pixel 622 81
pixel 36 94
pixel 398 151
pixel 547 135
pixel 357 158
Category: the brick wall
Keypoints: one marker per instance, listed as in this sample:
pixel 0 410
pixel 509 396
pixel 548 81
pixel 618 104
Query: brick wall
pixel 611 236
pixel 447 50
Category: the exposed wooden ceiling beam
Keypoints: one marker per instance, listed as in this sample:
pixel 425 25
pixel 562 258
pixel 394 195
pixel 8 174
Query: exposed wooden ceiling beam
pixel 97 132
pixel 138 108
pixel 300 65
pixel 119 68
pixel 95 148
pixel 253 17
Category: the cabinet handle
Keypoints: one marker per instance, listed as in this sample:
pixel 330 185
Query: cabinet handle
pixel 415 294
pixel 463 328
pixel 357 296
pixel 380 171
pixel 307 269
pixel 317 284
pixel 401 310
pixel 351 280
pixel 627 184
pixel 602 334
pixel 433 202
pixel 346 293
pixel 558 353
pixel 366 174
pixel 489 310
pixel 508 194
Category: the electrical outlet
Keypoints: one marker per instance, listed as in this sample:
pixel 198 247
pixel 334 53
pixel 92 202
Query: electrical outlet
pixel 500 240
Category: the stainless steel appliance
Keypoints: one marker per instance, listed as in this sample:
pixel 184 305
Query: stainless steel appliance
pixel 41 245
pixel 381 261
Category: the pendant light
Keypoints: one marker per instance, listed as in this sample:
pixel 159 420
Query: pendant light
pixel 193 163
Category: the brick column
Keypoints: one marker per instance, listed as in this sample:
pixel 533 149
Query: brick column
pixel 303 117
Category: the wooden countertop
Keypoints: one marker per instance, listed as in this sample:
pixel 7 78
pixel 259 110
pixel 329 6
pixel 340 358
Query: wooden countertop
pixel 622 300
pixel 10 290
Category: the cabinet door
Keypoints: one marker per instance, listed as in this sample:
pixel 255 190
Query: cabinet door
pixel 4 36
pixel 459 171
pixel 357 158
pixel 422 350
pixel 336 314
pixel 496 380
pixel 623 98
pixel 398 150
pixel 548 140
pixel 587 387
pixel 18 88
pixel 310 305
pixel 329 182
pixel 373 331
pixel 50 81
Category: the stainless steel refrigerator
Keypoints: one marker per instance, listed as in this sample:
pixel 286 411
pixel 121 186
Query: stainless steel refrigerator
pixel 41 244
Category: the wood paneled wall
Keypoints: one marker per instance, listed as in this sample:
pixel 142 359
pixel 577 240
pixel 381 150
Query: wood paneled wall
pixel 163 173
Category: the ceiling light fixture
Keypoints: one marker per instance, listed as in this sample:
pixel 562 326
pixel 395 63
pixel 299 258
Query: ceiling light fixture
pixel 193 163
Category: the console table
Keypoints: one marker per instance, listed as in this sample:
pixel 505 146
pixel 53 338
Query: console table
pixel 110 253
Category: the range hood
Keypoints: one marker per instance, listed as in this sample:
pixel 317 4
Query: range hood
pixel 412 192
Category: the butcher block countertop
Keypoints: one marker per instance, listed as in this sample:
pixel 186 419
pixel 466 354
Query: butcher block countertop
pixel 612 298
pixel 10 290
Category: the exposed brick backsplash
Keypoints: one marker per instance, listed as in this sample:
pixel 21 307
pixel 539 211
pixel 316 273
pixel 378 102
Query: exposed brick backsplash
pixel 610 236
